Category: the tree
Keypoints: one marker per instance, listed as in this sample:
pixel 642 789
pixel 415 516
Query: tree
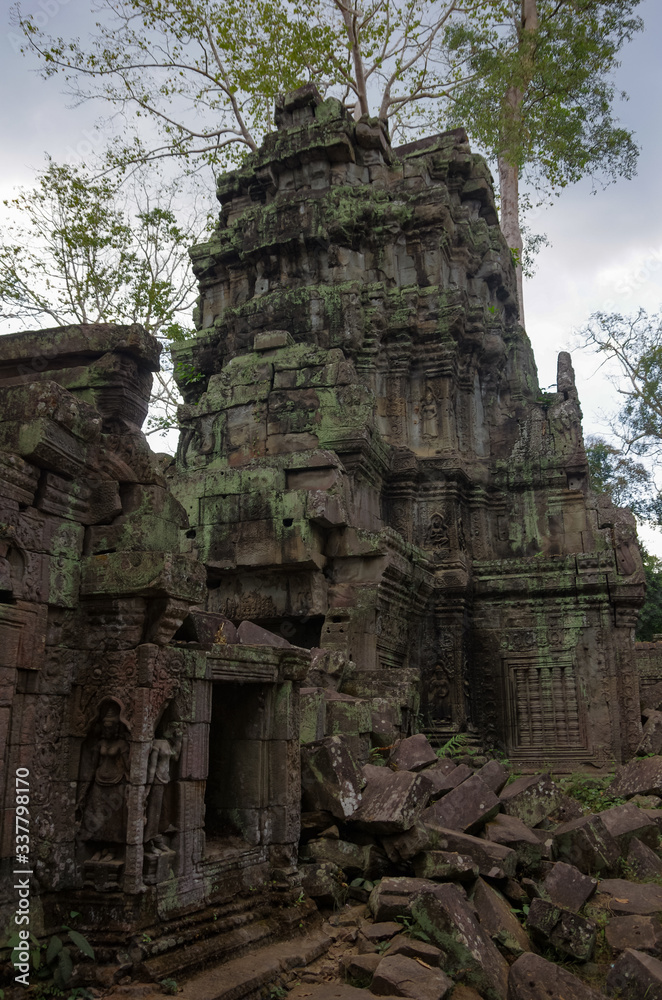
pixel 530 80
pixel 629 483
pixel 206 73
pixel 633 344
pixel 540 100
pixel 649 624
pixel 86 251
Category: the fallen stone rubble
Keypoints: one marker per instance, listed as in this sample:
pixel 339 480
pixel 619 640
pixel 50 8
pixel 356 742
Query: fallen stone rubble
pixel 457 879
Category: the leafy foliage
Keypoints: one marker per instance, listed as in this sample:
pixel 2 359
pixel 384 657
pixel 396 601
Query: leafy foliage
pixel 412 928
pixel 633 344
pixel 55 961
pixel 456 746
pixel 650 616
pixel 161 58
pixel 79 250
pixel 590 791
pixel 84 250
pixel 627 482
pixel 561 125
pixel 414 62
pixel 540 98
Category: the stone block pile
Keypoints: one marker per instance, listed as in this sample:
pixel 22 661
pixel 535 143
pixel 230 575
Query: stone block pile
pixel 455 878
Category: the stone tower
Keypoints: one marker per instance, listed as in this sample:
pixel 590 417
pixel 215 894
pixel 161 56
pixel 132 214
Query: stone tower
pixel 367 458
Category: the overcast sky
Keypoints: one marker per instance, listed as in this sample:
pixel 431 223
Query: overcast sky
pixel 606 248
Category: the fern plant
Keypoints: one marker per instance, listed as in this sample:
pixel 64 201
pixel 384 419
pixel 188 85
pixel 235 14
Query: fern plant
pixel 454 747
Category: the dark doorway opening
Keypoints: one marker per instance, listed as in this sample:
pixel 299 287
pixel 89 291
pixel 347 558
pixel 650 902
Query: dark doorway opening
pixel 236 785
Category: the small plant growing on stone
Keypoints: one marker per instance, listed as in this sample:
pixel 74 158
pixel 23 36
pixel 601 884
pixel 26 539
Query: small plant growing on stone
pixel 454 747
pixel 378 755
pixel 169 986
pixel 590 791
pixel 412 928
pixel 55 960
pixel 188 374
pixel 362 883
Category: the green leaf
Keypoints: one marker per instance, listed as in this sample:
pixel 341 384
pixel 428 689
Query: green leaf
pixel 54 948
pixel 81 942
pixel 65 966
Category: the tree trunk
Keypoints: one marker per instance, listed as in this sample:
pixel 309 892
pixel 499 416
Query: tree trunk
pixel 349 17
pixel 507 160
pixel 509 190
pixel 529 15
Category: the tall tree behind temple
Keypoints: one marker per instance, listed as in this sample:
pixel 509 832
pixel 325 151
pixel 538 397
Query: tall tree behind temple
pixel 205 74
pixel 541 100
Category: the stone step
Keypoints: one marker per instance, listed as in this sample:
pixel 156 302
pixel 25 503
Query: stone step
pixel 242 977
pixel 188 956
pixel 438 735
pixel 216 941
pixel 208 924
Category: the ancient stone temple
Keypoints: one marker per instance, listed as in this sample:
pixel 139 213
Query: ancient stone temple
pixel 376 524
pixel 370 464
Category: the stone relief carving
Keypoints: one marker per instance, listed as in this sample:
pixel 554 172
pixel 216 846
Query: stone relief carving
pixel 103 780
pixel 565 424
pixel 166 750
pixel 522 639
pixel 401 518
pixel 461 537
pixel 438 692
pixel 198 440
pixel 438 537
pixel 429 415
pixel 628 557
pixel 392 628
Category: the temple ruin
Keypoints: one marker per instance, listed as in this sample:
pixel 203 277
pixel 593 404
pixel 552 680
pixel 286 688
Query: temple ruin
pixel 376 524
pixel 369 463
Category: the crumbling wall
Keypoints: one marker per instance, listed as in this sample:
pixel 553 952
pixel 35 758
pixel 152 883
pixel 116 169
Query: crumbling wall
pixel 97 577
pixel 106 689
